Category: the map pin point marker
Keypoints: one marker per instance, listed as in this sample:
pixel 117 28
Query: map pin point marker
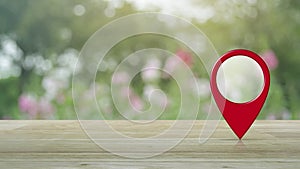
pixel 240 116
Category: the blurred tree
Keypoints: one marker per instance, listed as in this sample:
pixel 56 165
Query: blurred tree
pixel 43 30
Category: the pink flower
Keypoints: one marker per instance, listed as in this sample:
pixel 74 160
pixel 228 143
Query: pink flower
pixel 271 117
pixel 28 104
pixel 172 63
pixel 35 108
pixel 136 102
pixel 270 58
pixel 45 107
pixel 185 56
pixel 24 103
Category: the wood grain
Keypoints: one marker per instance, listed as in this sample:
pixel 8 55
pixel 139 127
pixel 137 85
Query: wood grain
pixel 64 145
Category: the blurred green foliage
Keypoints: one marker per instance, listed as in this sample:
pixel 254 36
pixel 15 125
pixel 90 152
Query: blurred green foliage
pixel 48 28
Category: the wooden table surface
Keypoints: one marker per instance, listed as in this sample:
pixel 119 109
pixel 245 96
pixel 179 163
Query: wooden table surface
pixel 64 145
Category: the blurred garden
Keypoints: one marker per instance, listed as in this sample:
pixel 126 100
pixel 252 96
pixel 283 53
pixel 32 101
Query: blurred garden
pixel 40 42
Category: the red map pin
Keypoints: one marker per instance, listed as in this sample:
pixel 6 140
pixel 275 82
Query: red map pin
pixel 240 116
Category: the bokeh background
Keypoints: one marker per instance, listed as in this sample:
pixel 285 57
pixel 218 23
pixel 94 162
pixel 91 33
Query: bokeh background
pixel 40 42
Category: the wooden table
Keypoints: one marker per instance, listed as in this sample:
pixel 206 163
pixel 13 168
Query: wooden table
pixel 64 145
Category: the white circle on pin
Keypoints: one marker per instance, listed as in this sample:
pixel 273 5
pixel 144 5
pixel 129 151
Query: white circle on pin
pixel 240 79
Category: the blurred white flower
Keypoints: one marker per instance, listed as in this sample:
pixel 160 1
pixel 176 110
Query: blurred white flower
pixel 170 66
pixel 38 63
pixel 10 47
pixel 148 89
pixel 79 10
pixel 69 59
pixel 57 80
pixel 203 87
pixel 155 96
pixel 151 70
pixel 10 53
